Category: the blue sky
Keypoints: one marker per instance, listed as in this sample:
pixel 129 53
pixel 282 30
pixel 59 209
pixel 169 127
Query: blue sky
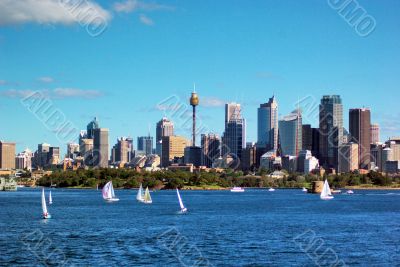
pixel 151 50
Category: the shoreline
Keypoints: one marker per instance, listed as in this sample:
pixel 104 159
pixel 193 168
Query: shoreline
pixel 229 188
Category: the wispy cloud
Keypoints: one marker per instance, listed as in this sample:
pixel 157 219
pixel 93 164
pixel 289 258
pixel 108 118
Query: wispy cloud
pixel 3 82
pixel 129 6
pixel 50 12
pixel 56 93
pixel 45 79
pixel 211 102
pixel 146 20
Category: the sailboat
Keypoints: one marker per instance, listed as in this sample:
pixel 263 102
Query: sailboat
pixel 140 194
pixel 147 198
pixel 108 193
pixel 183 209
pixel 46 215
pixel 326 192
pixel 50 199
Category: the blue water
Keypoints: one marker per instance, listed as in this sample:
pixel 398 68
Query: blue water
pixel 256 228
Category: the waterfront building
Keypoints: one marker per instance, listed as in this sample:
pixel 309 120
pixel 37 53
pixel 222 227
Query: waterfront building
pixel 360 133
pixel 348 157
pixel 375 133
pixel 210 149
pixel 290 134
pixel 100 147
pixel 267 125
pixel 173 148
pixel 331 130
pixel 7 155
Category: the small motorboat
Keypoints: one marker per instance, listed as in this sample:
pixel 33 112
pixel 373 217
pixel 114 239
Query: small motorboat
pixel 237 190
pixel 304 190
pixel 271 190
pixel 350 192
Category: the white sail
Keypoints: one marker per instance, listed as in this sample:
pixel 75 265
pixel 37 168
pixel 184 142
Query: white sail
pixel 326 191
pixel 50 199
pixel 106 191
pixel 44 206
pixel 140 194
pixel 112 191
pixel 180 200
pixel 147 197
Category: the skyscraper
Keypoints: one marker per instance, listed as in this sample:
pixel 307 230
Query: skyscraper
pixel 7 155
pixel 93 125
pixel 307 135
pixel 210 149
pixel 42 155
pixel 268 125
pixel 375 133
pixel 360 133
pixel 232 112
pixel 164 127
pixel 234 139
pixel 348 157
pixel 100 147
pixel 331 130
pixel 121 151
pixel 145 145
pixel 290 134
pixel 172 147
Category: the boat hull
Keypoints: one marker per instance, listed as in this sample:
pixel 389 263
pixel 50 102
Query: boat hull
pixel 46 217
pixel 327 198
pixel 112 199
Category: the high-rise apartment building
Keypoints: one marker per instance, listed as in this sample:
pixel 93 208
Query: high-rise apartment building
pixel 290 134
pixel 164 127
pixel 210 149
pixel 330 130
pixel 7 155
pixel 267 125
pixel 360 133
pixel 100 147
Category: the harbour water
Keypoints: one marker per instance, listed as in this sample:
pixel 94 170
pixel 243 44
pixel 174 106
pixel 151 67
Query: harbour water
pixel 255 228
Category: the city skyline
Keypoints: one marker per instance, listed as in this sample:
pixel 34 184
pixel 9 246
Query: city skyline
pixel 281 61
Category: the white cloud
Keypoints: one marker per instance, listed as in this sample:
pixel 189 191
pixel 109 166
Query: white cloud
pixel 56 93
pixel 46 79
pixel 52 12
pixel 146 20
pixel 129 6
pixel 3 82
